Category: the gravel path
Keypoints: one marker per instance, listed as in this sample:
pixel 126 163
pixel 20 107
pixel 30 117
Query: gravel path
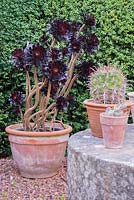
pixel 15 187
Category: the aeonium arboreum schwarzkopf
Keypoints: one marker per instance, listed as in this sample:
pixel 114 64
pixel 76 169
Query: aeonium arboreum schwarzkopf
pixel 55 65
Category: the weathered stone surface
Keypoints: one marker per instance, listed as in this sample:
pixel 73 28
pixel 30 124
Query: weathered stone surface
pixel 98 173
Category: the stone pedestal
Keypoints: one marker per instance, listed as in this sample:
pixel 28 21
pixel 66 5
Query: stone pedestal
pixel 98 173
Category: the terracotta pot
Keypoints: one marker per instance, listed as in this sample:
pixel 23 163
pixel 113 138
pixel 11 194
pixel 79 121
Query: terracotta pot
pixel 113 129
pixel 94 110
pixel 38 154
pixel 131 98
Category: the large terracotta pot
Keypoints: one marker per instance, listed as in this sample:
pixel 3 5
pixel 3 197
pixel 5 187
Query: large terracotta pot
pixel 113 128
pixel 131 98
pixel 94 110
pixel 38 154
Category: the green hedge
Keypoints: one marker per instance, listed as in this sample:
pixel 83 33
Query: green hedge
pixel 24 20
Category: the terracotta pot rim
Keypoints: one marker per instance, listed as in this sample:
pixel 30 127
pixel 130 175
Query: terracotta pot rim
pixel 89 102
pixel 131 94
pixel 114 117
pixel 12 129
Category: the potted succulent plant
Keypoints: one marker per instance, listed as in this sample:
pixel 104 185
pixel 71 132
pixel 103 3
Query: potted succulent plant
pixel 114 122
pixel 51 67
pixel 131 98
pixel 107 87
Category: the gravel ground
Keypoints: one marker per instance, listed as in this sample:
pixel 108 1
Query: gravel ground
pixel 15 187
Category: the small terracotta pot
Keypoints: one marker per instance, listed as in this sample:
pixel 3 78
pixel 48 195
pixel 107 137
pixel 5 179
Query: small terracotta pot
pixel 131 98
pixel 38 154
pixel 94 110
pixel 113 129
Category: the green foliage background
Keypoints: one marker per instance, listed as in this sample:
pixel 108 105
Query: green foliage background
pixel 24 20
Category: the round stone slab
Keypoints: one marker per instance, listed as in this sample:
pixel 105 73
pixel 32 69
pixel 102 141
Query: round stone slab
pixel 97 173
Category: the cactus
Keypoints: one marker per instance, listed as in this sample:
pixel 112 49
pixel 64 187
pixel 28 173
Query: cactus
pixel 107 85
pixel 116 111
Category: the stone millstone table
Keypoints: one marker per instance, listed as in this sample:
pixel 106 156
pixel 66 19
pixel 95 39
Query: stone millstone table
pixel 97 173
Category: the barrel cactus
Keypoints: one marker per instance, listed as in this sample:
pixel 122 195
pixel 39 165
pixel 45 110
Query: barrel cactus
pixel 107 85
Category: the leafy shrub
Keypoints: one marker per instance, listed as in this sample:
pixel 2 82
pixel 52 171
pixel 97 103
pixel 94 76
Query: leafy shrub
pixel 4 143
pixel 23 20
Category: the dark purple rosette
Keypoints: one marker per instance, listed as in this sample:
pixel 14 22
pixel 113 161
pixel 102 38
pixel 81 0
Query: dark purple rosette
pixel 85 68
pixel 61 103
pixel 28 55
pixel 18 58
pixel 34 55
pixel 38 53
pixel 92 44
pixel 74 28
pixel 16 98
pixel 66 52
pixel 54 54
pixel 55 70
pixel 75 45
pixel 54 87
pixel 70 99
pixel 89 20
pixel 59 29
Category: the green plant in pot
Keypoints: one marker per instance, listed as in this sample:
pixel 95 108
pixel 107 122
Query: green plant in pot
pixel 107 87
pixel 51 67
pixel 114 123
pixel 131 98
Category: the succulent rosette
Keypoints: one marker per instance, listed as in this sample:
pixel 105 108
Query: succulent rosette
pixel 34 54
pixel 61 103
pixel 74 26
pixel 54 87
pixel 55 70
pixel 54 54
pixel 75 45
pixel 18 58
pixel 59 29
pixel 89 20
pixel 92 44
pixel 16 98
pixel 85 68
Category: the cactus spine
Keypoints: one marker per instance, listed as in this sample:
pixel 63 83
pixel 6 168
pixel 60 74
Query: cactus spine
pixel 107 85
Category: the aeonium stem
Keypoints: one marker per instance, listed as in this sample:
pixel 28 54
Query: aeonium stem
pixel 52 43
pixel 30 110
pixel 71 65
pixel 48 94
pixel 62 114
pixel 60 122
pixel 28 89
pixel 33 91
pixel 44 114
pixel 71 69
pixel 81 28
pixel 53 119
pixel 21 114
pixel 70 74
pixel 70 85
